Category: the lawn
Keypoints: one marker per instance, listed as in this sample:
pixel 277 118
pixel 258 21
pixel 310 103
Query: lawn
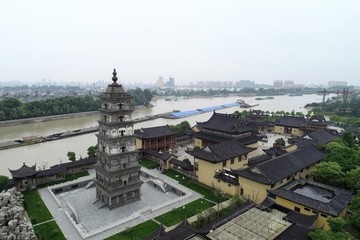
pixel 49 230
pixel 68 177
pixel 146 163
pixel 137 232
pixel 35 207
pixel 207 192
pixel 179 214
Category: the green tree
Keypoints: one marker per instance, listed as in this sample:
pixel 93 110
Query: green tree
pixel 355 220
pixel 329 235
pixel 71 156
pixel 355 203
pixel 329 173
pixel 182 127
pixel 91 151
pixel 186 160
pixel 3 182
pixel 352 179
pixel 348 139
pixel 196 148
pixel 348 158
pixel 280 142
pixel 336 224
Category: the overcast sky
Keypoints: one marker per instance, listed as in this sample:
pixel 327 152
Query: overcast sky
pixel 305 41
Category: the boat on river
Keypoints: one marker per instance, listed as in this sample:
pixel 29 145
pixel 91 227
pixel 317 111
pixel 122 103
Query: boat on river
pixel 248 105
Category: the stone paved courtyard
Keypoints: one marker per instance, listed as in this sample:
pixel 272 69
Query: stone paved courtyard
pixel 96 223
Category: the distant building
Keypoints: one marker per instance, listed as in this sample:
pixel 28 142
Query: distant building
pixel 245 84
pixel 278 84
pixel 117 169
pixel 160 82
pixel 289 84
pixel 337 84
pixel 170 83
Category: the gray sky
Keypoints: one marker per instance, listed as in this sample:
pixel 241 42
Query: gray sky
pixel 190 40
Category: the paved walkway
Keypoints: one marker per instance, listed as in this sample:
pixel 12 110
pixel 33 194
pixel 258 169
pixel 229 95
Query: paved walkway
pixel 70 232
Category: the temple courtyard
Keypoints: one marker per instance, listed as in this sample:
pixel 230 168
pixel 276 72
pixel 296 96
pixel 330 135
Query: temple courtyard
pixel 79 218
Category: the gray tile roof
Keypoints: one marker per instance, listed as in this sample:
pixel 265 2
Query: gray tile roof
pixel 322 136
pixel 77 163
pixel 341 199
pixel 258 159
pixel 274 151
pixel 290 121
pixel 155 132
pixel 221 151
pixel 226 123
pixel 51 171
pixel 281 167
pixel 212 137
pixel 24 171
pixel 182 164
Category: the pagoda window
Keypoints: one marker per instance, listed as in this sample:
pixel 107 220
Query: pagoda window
pixel 104 132
pixel 125 183
pixel 105 118
pixel 103 148
pixel 122 132
pixel 123 149
pixel 124 165
pixel 121 118
pixel 105 106
pixel 120 106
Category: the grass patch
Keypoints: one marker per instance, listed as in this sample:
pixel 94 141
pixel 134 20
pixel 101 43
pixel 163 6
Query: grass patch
pixel 207 192
pixel 179 214
pixel 146 163
pixel 68 177
pixel 137 232
pixel 49 230
pixel 35 207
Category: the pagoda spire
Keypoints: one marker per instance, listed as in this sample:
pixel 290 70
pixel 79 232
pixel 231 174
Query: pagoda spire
pixel 114 78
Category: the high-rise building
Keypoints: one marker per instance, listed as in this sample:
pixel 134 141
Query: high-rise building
pixel 160 82
pixel 117 168
pixel 289 84
pixel 337 84
pixel 278 84
pixel 171 82
pixel 244 84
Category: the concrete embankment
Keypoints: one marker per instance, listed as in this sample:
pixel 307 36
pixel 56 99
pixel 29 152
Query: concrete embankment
pixel 67 134
pixel 46 118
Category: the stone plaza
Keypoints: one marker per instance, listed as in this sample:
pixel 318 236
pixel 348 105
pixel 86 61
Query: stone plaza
pixel 79 218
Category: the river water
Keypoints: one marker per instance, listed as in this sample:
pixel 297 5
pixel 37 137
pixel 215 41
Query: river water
pixel 54 152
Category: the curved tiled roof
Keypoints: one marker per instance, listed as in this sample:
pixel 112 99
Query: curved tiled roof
pixel 221 151
pixel 154 132
pixel 24 171
pixel 322 136
pixel 228 123
pixel 279 168
pixel 333 207
pixel 291 121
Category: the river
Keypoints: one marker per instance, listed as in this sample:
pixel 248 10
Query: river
pixel 54 152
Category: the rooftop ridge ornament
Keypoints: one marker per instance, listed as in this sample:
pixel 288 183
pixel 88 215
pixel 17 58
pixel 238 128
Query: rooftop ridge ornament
pixel 114 78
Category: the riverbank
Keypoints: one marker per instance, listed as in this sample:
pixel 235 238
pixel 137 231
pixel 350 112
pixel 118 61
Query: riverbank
pixel 46 118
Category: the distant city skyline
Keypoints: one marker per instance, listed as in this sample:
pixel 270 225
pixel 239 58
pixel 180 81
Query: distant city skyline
pixel 308 42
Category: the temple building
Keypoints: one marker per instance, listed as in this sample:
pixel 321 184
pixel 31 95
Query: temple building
pixel 225 127
pixel 117 168
pixel 160 139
